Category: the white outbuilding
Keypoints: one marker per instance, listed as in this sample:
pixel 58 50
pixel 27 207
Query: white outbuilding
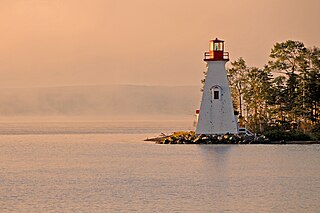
pixel 216 116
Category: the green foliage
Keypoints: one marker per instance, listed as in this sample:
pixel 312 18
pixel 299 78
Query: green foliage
pixel 287 56
pixel 316 131
pixel 237 79
pixel 278 135
pixel 203 81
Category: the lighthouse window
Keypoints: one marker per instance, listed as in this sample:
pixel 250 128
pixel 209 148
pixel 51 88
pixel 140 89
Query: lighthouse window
pixel 216 46
pixel 211 46
pixel 215 94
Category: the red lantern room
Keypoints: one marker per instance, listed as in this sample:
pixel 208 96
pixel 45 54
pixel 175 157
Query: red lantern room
pixel 216 51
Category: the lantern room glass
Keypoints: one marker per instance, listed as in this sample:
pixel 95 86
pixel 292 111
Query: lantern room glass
pixel 216 45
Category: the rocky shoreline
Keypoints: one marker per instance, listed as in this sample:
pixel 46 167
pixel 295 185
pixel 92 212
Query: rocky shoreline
pixel 191 138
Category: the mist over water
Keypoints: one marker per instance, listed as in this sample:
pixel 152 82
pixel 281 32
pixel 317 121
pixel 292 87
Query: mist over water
pixel 60 127
pixel 107 102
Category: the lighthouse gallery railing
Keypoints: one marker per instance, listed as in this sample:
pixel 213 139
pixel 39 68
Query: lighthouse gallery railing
pixel 208 56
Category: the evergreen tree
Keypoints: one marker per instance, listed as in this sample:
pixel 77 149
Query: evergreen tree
pixel 237 79
pixel 288 59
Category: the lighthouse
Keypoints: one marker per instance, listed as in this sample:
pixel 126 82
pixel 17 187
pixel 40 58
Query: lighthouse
pixel 216 116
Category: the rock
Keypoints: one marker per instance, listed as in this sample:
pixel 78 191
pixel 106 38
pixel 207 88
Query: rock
pixel 191 138
pixel 166 141
pixel 198 139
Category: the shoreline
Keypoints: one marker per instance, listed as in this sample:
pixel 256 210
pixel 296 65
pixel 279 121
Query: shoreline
pixel 295 142
pixel 191 138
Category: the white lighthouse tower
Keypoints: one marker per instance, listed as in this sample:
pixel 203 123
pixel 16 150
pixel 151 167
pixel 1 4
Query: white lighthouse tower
pixel 216 115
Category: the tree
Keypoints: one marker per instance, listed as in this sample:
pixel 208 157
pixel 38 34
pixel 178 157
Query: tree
pixel 250 87
pixel 255 96
pixel 237 79
pixel 311 80
pixel 276 99
pixel 288 59
pixel 203 81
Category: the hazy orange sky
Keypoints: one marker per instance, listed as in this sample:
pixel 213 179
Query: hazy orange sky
pixel 145 42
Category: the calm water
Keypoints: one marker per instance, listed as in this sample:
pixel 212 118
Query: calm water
pixel 106 167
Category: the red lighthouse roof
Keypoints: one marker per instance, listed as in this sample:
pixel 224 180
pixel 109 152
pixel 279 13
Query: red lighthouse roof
pixel 217 40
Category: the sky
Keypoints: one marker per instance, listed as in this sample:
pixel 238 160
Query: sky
pixel 46 43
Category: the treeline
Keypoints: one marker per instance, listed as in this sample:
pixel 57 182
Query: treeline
pixel 284 95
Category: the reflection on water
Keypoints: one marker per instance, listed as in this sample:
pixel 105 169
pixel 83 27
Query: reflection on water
pixel 215 150
pixel 215 158
pixel 120 173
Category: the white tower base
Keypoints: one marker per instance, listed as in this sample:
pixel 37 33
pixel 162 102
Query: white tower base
pixel 216 111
